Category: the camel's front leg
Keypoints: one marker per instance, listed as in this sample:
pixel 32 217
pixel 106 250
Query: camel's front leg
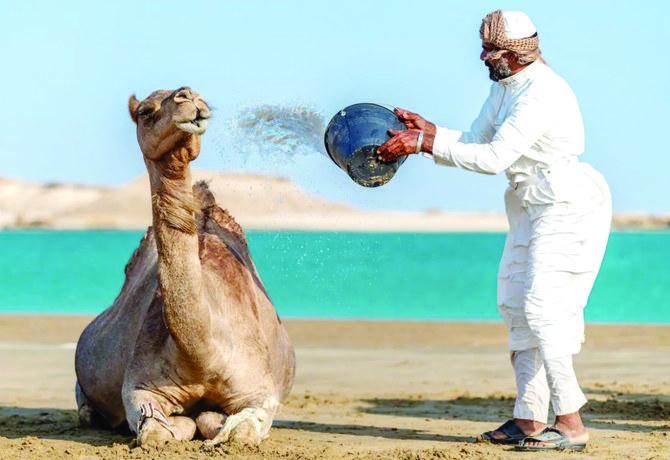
pixel 249 426
pixel 147 418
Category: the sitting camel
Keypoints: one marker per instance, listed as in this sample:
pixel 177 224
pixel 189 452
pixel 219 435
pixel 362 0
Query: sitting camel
pixel 193 340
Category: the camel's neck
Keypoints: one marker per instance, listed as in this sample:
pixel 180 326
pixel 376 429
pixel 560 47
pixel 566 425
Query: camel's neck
pixel 179 271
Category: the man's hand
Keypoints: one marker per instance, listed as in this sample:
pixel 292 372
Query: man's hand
pixel 415 121
pixel 401 143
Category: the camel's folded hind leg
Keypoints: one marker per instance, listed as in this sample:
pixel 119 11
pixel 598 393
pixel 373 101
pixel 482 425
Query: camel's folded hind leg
pixel 249 426
pixel 89 417
pixel 147 418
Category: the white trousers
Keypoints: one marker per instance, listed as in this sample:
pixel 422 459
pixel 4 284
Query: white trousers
pixel 559 227
pixel 539 381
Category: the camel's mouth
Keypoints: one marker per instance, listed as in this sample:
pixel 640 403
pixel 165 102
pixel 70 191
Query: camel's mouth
pixel 197 126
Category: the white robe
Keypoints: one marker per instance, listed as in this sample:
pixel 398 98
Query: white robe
pixel 559 209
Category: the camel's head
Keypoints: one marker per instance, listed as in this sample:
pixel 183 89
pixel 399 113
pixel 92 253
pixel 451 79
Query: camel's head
pixel 169 119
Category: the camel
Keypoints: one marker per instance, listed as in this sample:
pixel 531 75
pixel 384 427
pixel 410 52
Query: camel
pixel 192 342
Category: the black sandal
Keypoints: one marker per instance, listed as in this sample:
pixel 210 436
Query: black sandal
pixel 510 429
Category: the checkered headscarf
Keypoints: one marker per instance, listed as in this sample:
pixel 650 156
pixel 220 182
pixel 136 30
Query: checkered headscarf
pixel 492 31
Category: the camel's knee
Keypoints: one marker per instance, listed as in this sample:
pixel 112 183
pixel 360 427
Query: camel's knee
pixel 151 420
pixel 210 423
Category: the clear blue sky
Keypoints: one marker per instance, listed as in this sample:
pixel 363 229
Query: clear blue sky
pixel 69 68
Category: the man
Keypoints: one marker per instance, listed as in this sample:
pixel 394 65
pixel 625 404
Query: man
pixel 559 213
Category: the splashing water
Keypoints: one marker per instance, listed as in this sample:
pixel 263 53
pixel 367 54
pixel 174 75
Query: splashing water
pixel 277 130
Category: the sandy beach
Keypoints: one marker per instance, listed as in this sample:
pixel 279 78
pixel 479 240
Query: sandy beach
pixel 364 389
pixel 258 202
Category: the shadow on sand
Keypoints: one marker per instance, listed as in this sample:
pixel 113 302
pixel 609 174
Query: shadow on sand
pixel 611 413
pixel 62 424
pixel 625 412
pixel 367 430
pixel 50 423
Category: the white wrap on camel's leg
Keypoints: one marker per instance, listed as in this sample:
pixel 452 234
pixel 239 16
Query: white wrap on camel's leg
pixel 258 416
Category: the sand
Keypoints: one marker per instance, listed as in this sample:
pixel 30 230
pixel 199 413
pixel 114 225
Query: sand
pixel 256 201
pixel 408 390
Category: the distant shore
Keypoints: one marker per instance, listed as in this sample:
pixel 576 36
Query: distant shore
pixel 257 202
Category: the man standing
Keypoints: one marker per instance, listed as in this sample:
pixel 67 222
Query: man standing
pixel 559 213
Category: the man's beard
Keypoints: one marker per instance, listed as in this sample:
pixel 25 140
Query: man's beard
pixel 499 71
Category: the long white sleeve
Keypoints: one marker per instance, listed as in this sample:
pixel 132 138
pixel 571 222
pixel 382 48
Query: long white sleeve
pixel 481 130
pixel 525 123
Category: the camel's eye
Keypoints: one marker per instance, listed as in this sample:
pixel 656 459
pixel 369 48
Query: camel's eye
pixel 145 112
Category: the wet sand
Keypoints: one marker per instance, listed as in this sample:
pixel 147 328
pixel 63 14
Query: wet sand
pixel 408 390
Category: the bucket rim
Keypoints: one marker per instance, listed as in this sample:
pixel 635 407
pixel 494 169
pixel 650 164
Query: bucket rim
pixel 388 107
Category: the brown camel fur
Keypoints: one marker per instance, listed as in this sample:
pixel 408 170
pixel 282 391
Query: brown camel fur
pixel 192 341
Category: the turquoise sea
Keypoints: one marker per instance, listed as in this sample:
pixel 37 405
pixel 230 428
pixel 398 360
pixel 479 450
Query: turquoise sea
pixel 416 276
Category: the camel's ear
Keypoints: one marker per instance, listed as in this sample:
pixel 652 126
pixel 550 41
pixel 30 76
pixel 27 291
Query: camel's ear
pixel 133 104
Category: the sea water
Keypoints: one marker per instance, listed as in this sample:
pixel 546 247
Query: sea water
pixel 415 276
pixel 408 276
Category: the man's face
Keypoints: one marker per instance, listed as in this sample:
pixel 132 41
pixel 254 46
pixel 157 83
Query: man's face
pixel 499 69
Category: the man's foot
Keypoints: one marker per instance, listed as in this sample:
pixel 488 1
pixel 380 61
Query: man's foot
pixel 553 439
pixel 567 433
pixel 512 432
